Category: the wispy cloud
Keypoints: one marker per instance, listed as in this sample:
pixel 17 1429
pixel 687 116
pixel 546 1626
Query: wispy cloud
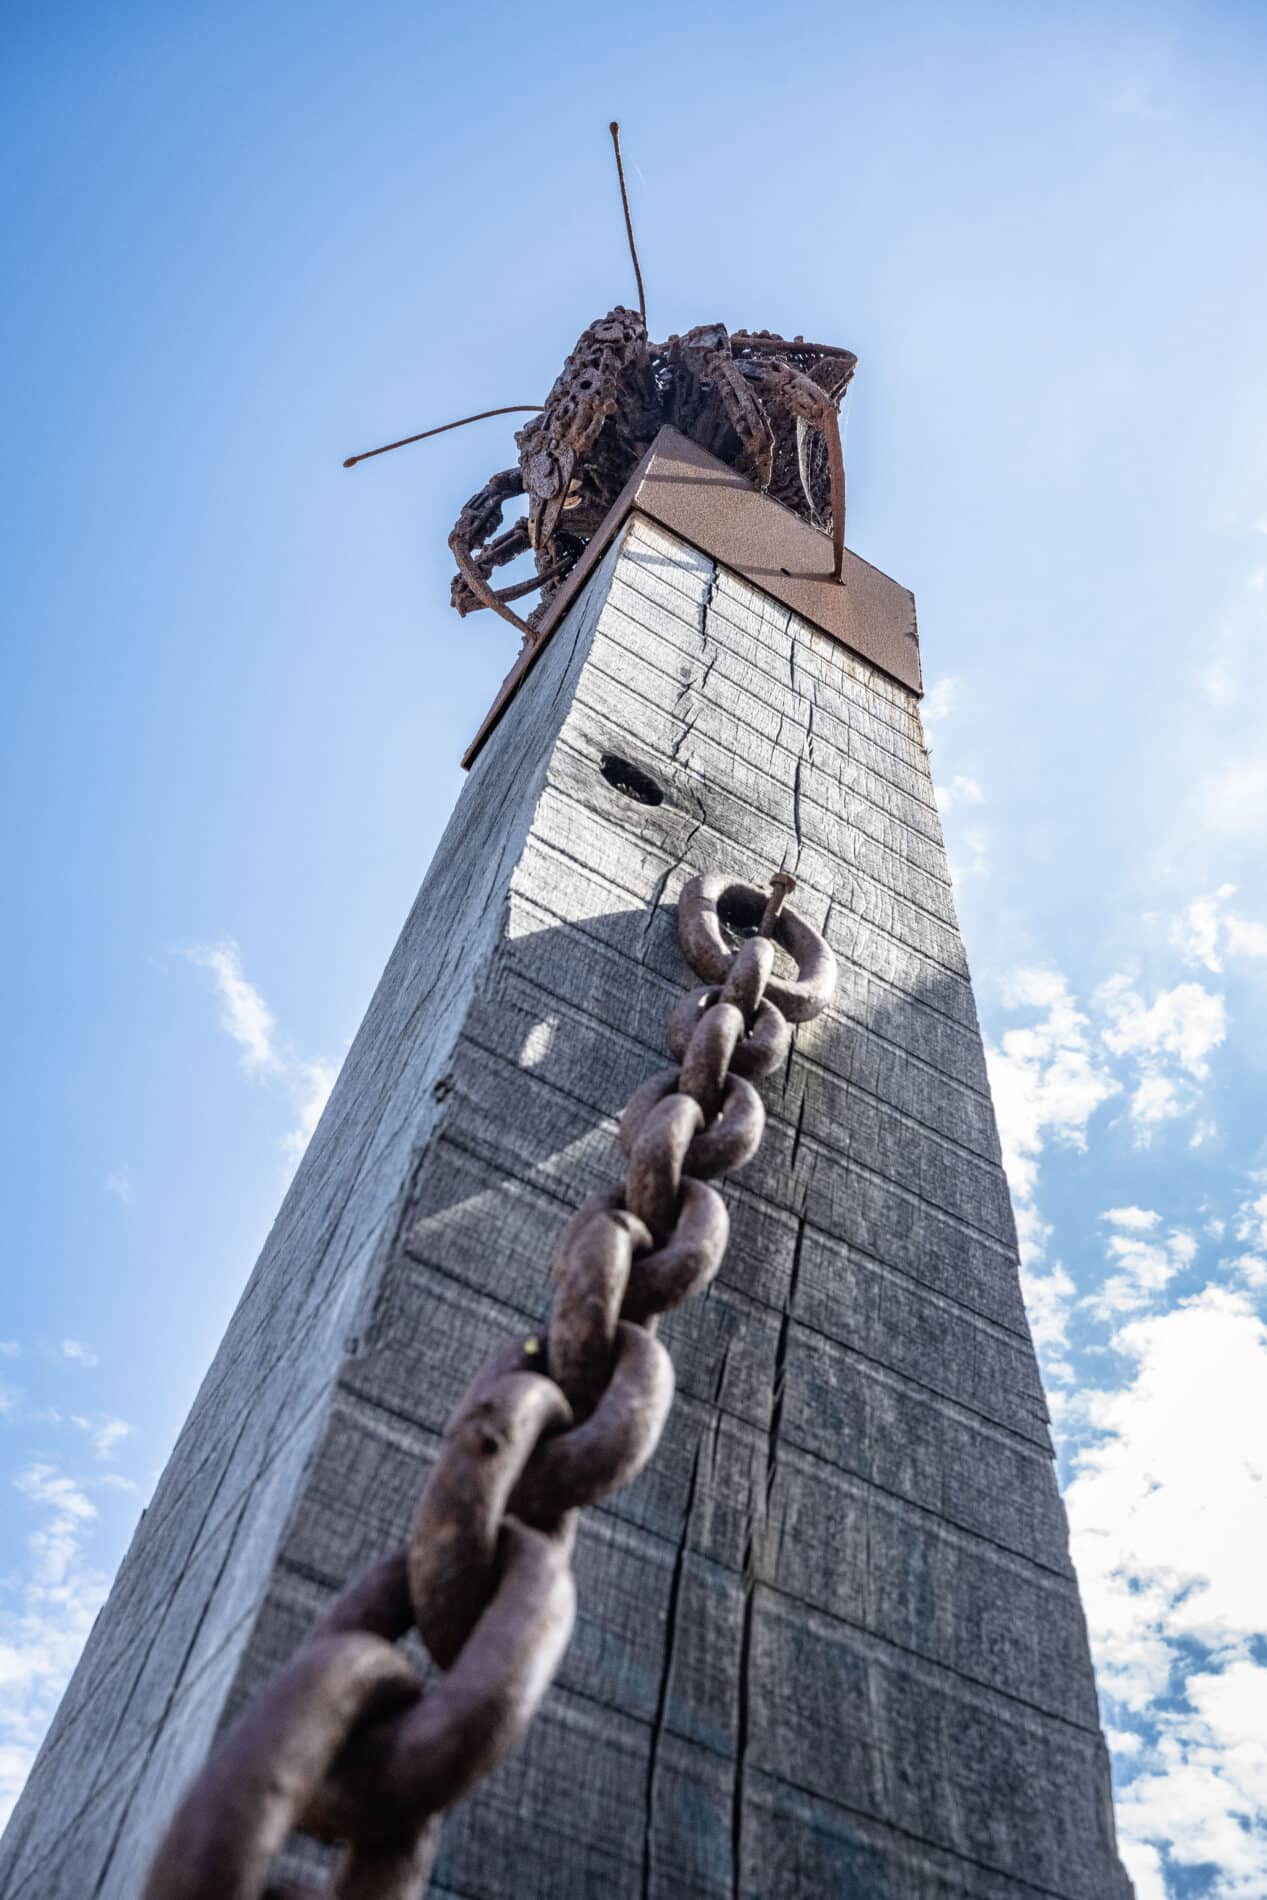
pixel 311 1086
pixel 1169 1040
pixel 249 1022
pixel 957 793
pixel 45 1617
pixel 1202 1791
pixel 1208 931
pixel 959 790
pixel 1181 1025
pixel 1168 1513
pixel 1046 1075
pixel 244 1015
pixel 105 1434
pixel 82 1355
pixel 1249 1224
pixel 119 1183
pixel 1136 1220
pixel 1144 1262
pixel 1048 1080
pixel 940 703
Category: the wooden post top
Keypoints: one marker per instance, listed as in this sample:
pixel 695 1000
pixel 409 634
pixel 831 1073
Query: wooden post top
pixel 704 502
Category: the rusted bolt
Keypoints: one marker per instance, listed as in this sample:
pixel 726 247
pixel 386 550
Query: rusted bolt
pixel 781 885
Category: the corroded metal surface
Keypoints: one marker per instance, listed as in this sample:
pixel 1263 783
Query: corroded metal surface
pixel 763 404
pixel 346 1743
pixel 710 505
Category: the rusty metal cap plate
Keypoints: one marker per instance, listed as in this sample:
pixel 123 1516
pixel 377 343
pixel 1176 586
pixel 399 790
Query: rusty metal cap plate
pixel 704 502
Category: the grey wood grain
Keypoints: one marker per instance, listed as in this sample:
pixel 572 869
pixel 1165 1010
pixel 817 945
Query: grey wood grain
pixel 829 1643
pixel 552 888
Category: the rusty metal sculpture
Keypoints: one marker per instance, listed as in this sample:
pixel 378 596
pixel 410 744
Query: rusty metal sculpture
pixel 763 404
pixel 766 405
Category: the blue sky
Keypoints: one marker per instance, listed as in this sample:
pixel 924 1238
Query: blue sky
pixel 247 242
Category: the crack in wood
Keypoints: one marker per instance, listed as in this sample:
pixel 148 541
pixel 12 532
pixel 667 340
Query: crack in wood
pixel 666 1672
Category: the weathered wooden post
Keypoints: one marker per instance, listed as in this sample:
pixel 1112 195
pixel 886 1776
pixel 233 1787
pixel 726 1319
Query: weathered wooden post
pixel 829 1642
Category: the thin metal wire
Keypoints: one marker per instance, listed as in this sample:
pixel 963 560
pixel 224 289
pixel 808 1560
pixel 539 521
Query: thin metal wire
pixel 836 463
pixel 614 129
pixel 511 409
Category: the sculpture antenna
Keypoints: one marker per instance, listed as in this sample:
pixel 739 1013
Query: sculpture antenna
pixel 511 409
pixel 614 129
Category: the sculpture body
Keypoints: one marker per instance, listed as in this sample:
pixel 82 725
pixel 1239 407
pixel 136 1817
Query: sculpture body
pixel 766 405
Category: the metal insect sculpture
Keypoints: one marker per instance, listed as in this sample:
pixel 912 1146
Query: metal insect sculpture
pixel 763 404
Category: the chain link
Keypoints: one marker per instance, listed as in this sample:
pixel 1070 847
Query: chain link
pixel 344 1743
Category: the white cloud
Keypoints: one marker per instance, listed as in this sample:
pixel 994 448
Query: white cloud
pixel 1168 1515
pixel 1143 1864
pixel 1155 1099
pixel 940 703
pixel 1197 930
pixel 51 1546
pixel 44 1620
pixel 10 1349
pixel 1207 931
pixel 311 1083
pixel 1049 1292
pixel 1182 1024
pixel 82 1355
pixel 1249 1224
pixel 1250 1220
pixel 1246 937
pixel 1137 1220
pixel 1047 1083
pixel 244 1015
pixel 1046 1080
pixel 1169 1524
pixel 1203 1792
pixel 1143 1265
pixel 961 790
pixel 108 1435
pixel 1169 1040
pixel 119 1183
pixel 247 1019
pixel 1175 1492
pixel 105 1434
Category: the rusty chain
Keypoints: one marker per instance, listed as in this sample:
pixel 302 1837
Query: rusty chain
pixel 345 1743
